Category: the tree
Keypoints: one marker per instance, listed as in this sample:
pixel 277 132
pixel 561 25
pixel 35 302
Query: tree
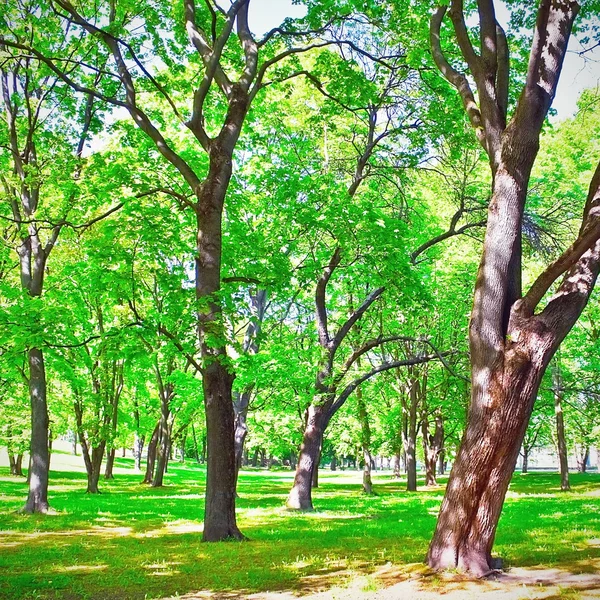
pixel 511 344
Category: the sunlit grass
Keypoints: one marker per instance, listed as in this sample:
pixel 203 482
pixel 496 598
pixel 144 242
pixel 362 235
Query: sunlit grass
pixel 133 541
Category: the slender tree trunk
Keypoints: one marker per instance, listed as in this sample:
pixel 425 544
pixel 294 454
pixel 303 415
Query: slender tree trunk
pixel 110 462
pixel 442 461
pixel 138 448
pixel 315 473
pixel 560 429
pixel 582 459
pixel 151 457
pixel 410 441
pixel 365 438
pixel 333 465
pixel 16 464
pixel 195 444
pixel 255 458
pixel 75 443
pixel 241 402
pixel 300 497
pixel 37 500
pixel 525 466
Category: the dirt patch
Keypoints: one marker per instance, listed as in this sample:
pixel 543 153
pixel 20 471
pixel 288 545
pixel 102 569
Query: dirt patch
pixel 415 582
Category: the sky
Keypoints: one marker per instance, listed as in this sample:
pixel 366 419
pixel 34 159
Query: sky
pixel 578 72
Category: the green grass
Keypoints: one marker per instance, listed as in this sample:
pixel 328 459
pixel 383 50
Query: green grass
pixel 133 541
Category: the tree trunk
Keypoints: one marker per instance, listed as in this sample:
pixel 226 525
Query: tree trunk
pixel 240 408
pixel 75 443
pixel 219 519
pixel 561 442
pixel 151 457
pixel 432 445
pixel 315 474
pixel 511 337
pixel 333 465
pixel 397 465
pixel 163 445
pixel 442 461
pixel 469 515
pixel 110 462
pixel 365 438
pixel 195 444
pixel 37 500
pixel 300 497
pixel 582 458
pixel 138 448
pixel 16 464
pixel 410 440
pixel 255 458
pixel 525 466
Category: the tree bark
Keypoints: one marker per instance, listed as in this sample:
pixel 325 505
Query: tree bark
pixel 510 345
pixel 16 464
pixel 219 520
pixel 151 456
pixel 432 445
pixel 110 463
pixel 525 466
pixel 561 442
pixel 37 500
pixel 365 439
pixel 300 497
pixel 583 454
pixel 138 448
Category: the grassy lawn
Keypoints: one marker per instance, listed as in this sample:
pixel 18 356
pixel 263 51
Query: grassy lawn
pixel 133 541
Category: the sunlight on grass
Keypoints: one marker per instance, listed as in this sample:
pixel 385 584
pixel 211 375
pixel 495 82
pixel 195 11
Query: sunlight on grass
pixel 150 538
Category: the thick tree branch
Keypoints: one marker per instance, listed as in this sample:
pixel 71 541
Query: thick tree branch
pixel 320 297
pixel 458 80
pixel 358 313
pixel 588 235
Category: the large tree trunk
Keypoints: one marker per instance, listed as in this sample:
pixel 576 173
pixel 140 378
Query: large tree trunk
pixel 219 519
pixel 217 378
pixel 37 500
pixel 300 497
pixel 510 343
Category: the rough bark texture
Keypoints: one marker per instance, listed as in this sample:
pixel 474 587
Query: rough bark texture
pixel 37 500
pixel 219 520
pixel 510 344
pixel 300 497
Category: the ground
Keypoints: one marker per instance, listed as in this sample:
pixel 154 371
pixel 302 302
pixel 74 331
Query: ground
pixel 135 542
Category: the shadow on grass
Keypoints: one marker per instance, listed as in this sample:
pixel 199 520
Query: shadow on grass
pixel 134 541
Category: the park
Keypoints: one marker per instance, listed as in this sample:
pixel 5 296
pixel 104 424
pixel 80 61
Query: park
pixel 297 299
